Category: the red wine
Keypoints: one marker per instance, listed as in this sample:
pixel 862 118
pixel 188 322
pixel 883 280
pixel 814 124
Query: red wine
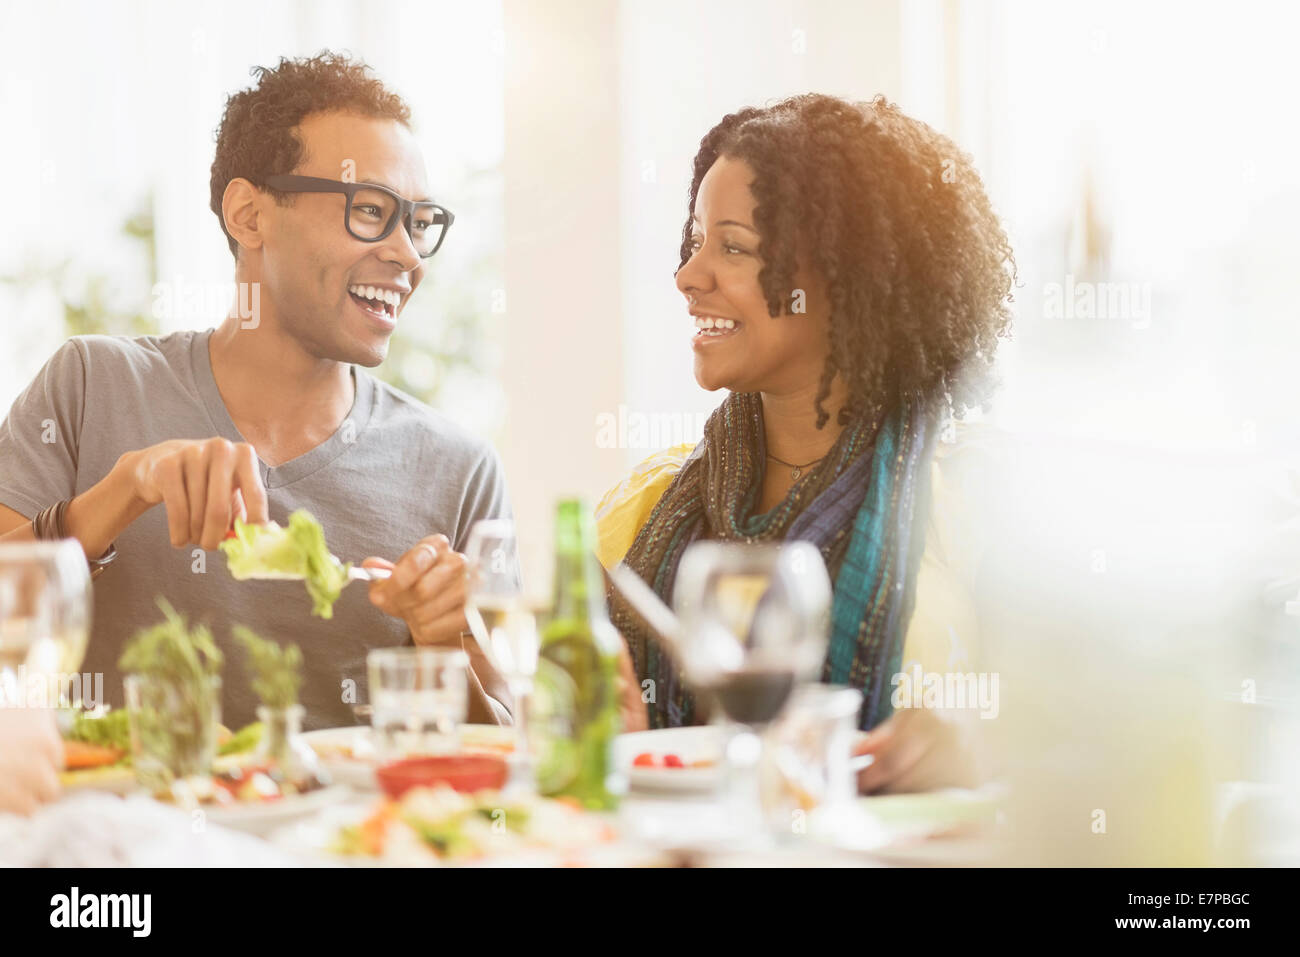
pixel 753 696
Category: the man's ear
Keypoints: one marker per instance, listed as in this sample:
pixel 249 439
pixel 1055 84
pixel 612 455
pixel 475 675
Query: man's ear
pixel 241 207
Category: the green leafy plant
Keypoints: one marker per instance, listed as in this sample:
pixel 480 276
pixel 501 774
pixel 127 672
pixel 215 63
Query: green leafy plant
pixel 100 302
pixel 173 716
pixel 276 670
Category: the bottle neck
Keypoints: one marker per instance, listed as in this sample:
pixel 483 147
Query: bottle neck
pixel 579 591
pixel 579 585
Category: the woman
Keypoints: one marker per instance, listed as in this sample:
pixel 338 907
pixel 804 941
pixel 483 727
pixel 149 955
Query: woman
pixel 848 281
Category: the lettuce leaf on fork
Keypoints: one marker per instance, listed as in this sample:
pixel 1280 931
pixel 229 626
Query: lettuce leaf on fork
pixel 297 551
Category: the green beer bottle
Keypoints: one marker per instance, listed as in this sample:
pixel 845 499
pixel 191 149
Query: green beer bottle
pixel 578 670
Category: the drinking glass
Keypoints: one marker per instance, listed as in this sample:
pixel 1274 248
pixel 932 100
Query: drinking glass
pixel 807 757
pixel 755 622
pixel 173 732
pixel 502 620
pixel 418 697
pixel 45 609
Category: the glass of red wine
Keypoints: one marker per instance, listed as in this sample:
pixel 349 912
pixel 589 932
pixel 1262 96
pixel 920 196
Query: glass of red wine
pixel 755 622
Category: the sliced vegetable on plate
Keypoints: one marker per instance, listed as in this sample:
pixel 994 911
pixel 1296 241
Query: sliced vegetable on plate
pixel 441 825
pixel 97 753
pixel 243 741
pixel 77 755
pixel 672 759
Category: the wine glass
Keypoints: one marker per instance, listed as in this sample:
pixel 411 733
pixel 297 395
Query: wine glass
pixel 45 609
pixel 755 622
pixel 500 617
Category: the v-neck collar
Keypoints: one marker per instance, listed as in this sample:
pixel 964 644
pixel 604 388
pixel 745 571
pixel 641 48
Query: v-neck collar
pixel 278 476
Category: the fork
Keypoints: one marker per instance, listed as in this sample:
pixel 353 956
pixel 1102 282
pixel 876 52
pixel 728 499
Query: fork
pixel 358 574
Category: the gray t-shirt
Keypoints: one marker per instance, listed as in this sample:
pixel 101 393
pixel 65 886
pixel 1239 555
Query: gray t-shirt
pixel 394 472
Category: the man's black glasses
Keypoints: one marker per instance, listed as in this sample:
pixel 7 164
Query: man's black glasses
pixel 372 212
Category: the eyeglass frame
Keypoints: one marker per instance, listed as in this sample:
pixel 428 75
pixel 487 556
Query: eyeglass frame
pixel 292 183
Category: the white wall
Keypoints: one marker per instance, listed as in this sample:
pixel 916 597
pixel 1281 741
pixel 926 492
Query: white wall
pixel 563 334
pixel 686 65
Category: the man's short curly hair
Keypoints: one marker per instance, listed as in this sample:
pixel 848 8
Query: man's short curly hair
pixel 895 218
pixel 257 137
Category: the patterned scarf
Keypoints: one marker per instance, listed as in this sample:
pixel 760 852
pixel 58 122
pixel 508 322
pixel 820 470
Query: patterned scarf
pixel 857 506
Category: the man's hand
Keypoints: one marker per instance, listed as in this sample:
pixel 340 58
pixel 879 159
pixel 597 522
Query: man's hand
pixel 917 750
pixel 427 590
pixel 31 755
pixel 204 485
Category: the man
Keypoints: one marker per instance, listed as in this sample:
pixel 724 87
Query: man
pixel 31 755
pixel 272 412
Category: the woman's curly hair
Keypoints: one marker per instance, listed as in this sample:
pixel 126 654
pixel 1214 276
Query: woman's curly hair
pixel 256 138
pixel 895 218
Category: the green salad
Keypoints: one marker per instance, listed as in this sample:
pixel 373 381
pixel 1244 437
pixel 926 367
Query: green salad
pixel 243 741
pixel 297 551
pixel 110 730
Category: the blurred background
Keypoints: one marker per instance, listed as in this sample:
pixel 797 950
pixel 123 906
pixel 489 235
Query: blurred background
pixel 1135 500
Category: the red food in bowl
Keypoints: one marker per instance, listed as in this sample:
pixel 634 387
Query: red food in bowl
pixel 461 772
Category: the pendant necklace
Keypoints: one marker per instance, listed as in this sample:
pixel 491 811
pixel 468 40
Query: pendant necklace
pixel 795 470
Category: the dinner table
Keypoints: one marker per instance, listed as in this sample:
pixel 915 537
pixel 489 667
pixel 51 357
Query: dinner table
pixel 657 822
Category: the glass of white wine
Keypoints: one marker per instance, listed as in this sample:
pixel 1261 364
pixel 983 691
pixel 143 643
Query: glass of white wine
pixel 501 618
pixel 45 609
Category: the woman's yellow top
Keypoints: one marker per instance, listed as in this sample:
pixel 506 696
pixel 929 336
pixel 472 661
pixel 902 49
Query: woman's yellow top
pixel 943 634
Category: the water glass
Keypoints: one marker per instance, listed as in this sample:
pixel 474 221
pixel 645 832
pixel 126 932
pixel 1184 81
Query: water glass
pixel 173 729
pixel 807 757
pixel 418 698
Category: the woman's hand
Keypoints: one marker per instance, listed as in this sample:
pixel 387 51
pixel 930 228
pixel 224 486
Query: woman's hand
pixel 427 590
pixel 631 706
pixel 31 755
pixel 916 749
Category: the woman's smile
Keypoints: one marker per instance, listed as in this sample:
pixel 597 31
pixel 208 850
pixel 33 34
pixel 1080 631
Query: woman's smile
pixel 710 329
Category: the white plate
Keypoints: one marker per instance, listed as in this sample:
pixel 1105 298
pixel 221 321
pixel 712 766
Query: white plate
pixel 359 772
pixel 491 738
pixel 312 838
pixel 704 743
pixel 355 772
pixel 952 825
pixel 114 780
pixel 263 818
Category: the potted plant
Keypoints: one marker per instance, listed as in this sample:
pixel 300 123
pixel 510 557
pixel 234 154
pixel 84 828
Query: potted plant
pixel 173 694
pixel 276 673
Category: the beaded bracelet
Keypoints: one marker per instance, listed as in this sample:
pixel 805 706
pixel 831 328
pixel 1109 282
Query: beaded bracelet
pixel 48 526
